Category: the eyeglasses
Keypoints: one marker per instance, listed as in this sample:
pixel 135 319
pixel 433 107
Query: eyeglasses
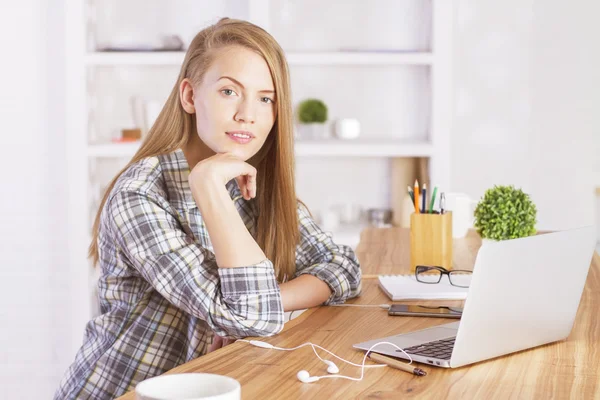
pixel 459 278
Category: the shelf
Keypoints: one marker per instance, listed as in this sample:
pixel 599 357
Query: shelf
pixel 363 148
pixel 135 58
pixel 316 148
pixel 359 58
pixel 294 58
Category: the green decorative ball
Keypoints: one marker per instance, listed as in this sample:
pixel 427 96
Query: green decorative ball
pixel 505 213
pixel 312 110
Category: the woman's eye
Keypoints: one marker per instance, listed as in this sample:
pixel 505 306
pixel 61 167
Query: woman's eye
pixel 227 92
pixel 267 100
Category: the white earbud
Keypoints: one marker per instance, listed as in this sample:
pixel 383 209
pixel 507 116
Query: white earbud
pixel 304 377
pixel 331 367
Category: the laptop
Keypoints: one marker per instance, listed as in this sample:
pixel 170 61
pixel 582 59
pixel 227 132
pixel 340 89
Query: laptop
pixel 524 293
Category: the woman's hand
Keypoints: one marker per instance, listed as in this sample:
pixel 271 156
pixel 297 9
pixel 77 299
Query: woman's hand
pixel 233 245
pixel 220 169
pixel 219 342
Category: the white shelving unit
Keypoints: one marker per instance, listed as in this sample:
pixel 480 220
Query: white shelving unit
pixel 293 58
pixel 315 148
pixel 84 152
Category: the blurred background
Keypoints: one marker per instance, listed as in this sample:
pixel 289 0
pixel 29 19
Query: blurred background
pixel 460 94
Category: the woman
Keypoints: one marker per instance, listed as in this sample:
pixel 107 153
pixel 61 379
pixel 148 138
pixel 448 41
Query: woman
pixel 201 235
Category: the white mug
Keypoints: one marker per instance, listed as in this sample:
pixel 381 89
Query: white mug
pixel 463 213
pixel 192 386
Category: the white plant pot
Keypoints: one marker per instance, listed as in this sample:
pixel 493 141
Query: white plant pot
pixel 312 131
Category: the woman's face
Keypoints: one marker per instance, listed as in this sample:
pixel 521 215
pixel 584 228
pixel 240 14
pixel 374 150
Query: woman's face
pixel 235 103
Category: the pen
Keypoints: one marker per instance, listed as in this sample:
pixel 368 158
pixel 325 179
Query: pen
pixel 411 194
pixel 390 362
pixel 416 196
pixel 432 199
pixel 424 197
pixel 442 203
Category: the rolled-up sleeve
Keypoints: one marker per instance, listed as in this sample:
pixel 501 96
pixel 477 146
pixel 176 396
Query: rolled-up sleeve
pixel 319 256
pixel 235 302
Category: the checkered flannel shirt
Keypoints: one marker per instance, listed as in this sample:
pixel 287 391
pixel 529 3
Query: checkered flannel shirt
pixel 162 296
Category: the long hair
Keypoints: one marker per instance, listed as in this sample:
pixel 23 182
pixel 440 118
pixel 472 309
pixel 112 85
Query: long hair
pixel 277 225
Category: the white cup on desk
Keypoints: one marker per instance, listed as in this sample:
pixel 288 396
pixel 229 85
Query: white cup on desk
pixel 192 386
pixel 463 213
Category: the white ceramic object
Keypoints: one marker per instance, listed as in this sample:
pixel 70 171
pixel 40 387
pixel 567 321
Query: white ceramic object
pixel 347 128
pixel 193 386
pixel 349 213
pixel 312 131
pixel 463 213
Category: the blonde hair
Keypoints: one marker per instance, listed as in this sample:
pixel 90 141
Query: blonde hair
pixel 277 225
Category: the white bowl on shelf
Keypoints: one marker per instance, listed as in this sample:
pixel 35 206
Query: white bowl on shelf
pixel 347 128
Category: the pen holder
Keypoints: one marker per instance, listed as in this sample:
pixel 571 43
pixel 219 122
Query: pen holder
pixel 431 240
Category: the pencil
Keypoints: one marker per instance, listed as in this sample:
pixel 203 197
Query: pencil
pixel 416 197
pixel 391 362
pixel 432 199
pixel 424 198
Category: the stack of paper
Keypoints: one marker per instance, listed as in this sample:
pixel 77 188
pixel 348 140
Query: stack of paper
pixel 406 287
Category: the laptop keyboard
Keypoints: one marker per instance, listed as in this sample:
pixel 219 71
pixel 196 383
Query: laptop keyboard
pixel 441 349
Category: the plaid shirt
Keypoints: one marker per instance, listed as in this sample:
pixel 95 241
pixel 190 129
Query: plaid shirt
pixel 162 295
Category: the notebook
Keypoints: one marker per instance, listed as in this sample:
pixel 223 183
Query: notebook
pixel 406 287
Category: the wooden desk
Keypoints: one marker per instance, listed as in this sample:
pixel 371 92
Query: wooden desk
pixel 563 370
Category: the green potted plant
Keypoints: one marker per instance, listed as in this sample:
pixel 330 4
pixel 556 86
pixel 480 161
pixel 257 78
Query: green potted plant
pixel 312 114
pixel 504 213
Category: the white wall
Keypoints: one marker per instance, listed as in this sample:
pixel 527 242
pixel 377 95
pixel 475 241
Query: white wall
pixel 566 121
pixel 527 86
pixel 34 331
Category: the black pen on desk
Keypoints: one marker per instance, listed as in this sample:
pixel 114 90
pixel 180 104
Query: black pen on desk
pixel 424 201
pixel 391 362
pixel 442 203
